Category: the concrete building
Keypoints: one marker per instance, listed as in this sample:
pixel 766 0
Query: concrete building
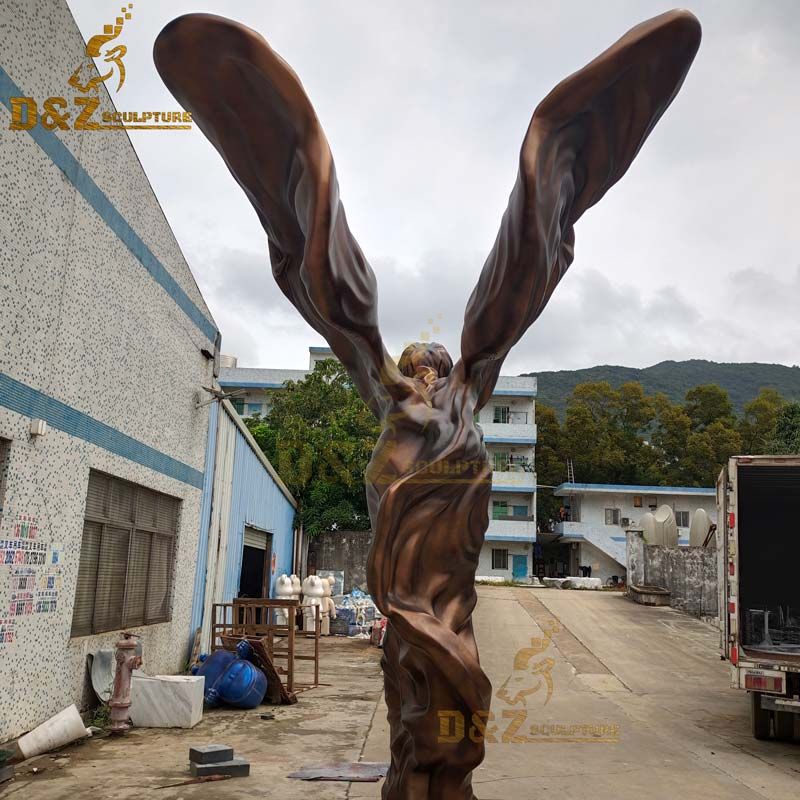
pixel 598 515
pixel 108 461
pixel 509 424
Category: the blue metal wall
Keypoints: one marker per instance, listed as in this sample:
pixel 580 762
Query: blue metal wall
pixel 257 501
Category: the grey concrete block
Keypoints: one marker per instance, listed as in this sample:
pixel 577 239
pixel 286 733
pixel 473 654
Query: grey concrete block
pixel 236 768
pixel 210 754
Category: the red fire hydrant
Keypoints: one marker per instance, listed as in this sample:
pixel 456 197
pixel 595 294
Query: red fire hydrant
pixel 127 662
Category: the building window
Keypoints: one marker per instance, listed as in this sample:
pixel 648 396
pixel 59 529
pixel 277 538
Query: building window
pixel 501 461
pixel 519 511
pixel 682 519
pixel 126 569
pixel 254 408
pixel 499 559
pixel 612 516
pixel 501 413
pixel 238 404
pixel 637 501
pixel 499 509
pixel 5 446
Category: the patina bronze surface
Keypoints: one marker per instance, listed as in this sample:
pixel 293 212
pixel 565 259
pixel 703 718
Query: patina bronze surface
pixel 429 480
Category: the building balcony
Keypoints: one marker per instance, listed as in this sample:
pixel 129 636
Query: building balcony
pixel 569 530
pixel 520 529
pixel 513 481
pixel 509 432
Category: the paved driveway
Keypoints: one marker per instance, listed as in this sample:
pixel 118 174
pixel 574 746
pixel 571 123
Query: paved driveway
pixel 615 701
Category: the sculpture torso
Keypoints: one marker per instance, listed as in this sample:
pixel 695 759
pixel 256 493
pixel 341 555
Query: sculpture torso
pixel 429 437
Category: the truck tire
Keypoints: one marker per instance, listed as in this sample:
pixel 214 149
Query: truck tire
pixel 759 718
pixel 784 726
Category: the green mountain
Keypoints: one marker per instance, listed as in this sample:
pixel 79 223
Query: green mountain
pixel 675 378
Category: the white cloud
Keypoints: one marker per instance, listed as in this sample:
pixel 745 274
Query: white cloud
pixel 693 254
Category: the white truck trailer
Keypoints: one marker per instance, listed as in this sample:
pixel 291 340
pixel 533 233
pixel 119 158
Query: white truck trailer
pixel 758 500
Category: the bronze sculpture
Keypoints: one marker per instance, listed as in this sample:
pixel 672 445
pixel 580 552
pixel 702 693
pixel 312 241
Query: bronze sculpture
pixel 429 481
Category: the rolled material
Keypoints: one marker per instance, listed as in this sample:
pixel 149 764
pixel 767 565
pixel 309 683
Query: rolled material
pixel 65 727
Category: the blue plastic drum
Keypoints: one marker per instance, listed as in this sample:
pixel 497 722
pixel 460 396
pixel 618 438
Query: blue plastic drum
pixel 231 679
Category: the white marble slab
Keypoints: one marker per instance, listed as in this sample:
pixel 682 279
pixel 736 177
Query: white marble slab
pixel 166 701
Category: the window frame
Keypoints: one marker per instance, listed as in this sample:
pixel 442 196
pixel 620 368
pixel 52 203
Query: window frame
pixel 687 516
pixel 505 460
pixel 615 515
pixel 497 505
pixel 500 554
pixel 135 528
pixel 501 411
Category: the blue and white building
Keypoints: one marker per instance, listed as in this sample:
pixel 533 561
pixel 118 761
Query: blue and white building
pixel 509 424
pixel 598 514
pixel 118 477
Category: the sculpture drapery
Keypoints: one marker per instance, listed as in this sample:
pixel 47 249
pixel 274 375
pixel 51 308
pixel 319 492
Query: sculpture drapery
pixel 429 481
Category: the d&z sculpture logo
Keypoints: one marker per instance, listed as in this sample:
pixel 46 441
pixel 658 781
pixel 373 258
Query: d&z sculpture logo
pixel 54 113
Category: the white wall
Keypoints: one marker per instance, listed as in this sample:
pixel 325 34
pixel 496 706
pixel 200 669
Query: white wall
pixel 603 566
pixel 593 506
pixel 83 323
pixel 514 548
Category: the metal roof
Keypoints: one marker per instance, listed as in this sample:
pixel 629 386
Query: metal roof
pixel 611 488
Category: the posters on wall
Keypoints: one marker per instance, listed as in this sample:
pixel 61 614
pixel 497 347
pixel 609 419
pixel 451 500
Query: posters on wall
pixel 33 578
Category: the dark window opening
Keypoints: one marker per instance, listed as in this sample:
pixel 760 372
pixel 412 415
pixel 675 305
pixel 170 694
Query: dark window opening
pixel 499 559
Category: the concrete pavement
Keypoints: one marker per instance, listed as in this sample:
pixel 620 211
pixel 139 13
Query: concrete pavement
pixel 327 724
pixel 594 697
pixel 639 706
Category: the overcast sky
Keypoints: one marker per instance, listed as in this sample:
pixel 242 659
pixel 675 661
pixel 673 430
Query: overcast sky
pixel 694 254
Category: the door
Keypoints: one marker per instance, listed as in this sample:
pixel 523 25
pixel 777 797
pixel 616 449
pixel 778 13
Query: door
pixel 519 568
pixel 256 571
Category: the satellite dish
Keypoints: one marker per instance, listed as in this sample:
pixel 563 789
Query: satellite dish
pixel 666 529
pixel 699 528
pixel 647 524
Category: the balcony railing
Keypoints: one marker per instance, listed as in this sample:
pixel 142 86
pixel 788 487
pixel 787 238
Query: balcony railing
pixel 525 481
pixel 511 418
pixel 512 463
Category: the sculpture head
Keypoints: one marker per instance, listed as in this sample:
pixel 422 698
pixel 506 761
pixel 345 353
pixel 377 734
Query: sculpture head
pixel 426 361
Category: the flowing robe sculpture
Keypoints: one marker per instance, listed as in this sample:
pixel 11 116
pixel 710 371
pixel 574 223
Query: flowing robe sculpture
pixel 429 481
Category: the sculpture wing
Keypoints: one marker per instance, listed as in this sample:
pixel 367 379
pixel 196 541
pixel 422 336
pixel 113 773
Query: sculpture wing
pixel 581 140
pixel 253 109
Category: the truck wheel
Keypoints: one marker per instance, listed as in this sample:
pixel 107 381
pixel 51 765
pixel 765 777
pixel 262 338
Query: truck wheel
pixel 784 726
pixel 759 718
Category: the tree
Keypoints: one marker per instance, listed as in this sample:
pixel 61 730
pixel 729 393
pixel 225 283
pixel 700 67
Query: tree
pixel 707 451
pixel 758 423
pixel 786 435
pixel 709 403
pixel 603 433
pixel 670 436
pixel 319 434
pixel 550 463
